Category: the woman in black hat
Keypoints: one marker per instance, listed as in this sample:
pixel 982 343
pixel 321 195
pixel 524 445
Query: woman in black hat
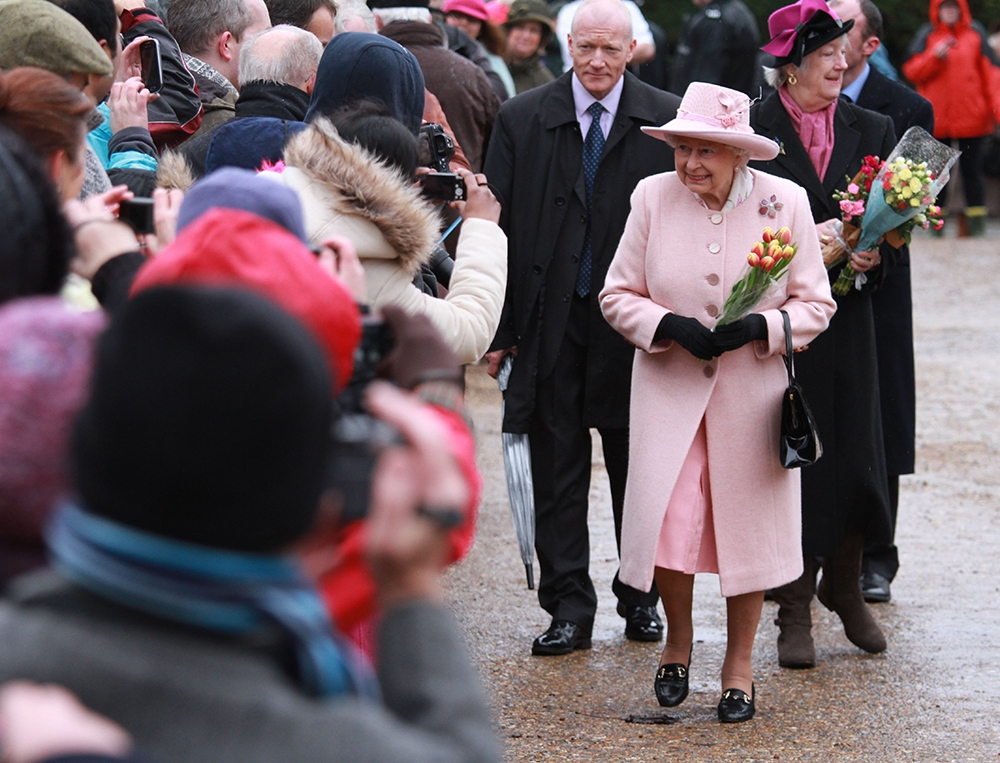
pixel 822 141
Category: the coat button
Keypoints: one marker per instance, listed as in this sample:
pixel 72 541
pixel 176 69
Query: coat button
pixel 574 258
pixel 565 297
pixel 712 279
pixel 714 248
pixel 537 269
pixel 713 310
pixel 560 200
pixel 709 372
pixel 583 219
pixel 716 218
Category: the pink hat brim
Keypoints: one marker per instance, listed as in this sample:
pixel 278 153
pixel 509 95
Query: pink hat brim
pixel 760 148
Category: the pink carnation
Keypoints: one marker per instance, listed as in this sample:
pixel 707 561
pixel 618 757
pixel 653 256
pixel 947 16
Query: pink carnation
pixel 853 189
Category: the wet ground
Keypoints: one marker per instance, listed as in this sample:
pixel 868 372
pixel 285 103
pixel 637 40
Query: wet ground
pixel 933 696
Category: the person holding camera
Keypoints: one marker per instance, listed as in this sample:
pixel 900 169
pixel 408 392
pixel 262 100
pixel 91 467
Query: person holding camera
pixel 378 206
pixel 199 463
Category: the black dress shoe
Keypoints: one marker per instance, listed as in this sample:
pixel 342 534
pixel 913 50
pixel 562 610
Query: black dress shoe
pixel 562 637
pixel 736 707
pixel 641 623
pixel 875 588
pixel 671 684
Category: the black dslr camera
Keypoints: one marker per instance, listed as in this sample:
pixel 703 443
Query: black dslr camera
pixel 436 150
pixel 357 436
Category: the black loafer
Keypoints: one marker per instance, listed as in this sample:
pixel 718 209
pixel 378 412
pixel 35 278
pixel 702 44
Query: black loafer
pixel 736 707
pixel 642 623
pixel 562 637
pixel 875 588
pixel 671 684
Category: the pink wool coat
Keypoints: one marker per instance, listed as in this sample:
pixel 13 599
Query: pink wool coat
pixel 678 256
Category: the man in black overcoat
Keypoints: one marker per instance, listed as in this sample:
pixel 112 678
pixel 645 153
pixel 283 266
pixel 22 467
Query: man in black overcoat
pixel 891 303
pixel 572 371
pixel 718 44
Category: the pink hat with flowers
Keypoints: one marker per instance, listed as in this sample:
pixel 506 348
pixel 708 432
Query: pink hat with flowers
pixel 473 8
pixel 715 113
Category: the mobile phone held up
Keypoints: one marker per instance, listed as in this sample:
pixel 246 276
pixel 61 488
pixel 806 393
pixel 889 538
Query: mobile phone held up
pixel 149 59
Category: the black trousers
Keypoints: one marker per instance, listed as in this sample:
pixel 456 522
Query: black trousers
pixel 971 165
pixel 560 460
pixel 884 559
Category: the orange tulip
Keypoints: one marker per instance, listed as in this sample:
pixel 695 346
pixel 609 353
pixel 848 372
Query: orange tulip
pixel 784 235
pixel 768 235
pixel 787 252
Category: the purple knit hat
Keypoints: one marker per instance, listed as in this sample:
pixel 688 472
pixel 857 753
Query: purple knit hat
pixel 45 360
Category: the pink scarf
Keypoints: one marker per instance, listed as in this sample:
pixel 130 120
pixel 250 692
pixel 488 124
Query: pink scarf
pixel 815 130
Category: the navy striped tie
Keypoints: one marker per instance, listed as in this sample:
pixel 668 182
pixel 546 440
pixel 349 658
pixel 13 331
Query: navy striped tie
pixel 592 148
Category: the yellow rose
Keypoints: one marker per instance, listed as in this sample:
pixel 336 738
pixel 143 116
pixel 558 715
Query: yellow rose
pixel 905 174
pixel 906 193
pixel 915 184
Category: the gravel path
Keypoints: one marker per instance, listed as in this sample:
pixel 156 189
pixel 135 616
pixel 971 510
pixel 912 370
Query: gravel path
pixel 928 698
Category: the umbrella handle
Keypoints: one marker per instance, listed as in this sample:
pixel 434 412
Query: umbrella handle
pixel 529 570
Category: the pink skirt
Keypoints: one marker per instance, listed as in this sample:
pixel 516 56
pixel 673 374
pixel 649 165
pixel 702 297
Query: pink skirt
pixel 687 537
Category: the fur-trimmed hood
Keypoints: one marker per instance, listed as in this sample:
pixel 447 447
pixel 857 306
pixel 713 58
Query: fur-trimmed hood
pixel 362 185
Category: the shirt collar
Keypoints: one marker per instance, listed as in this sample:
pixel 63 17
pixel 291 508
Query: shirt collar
pixel 582 99
pixel 853 91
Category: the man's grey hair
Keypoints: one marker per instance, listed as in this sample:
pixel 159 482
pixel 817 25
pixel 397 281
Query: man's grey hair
pixel 196 24
pixel 389 15
pixel 615 6
pixel 292 63
pixel 354 9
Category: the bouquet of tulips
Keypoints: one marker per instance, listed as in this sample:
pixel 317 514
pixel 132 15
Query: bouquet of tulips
pixel 768 260
pixel 889 199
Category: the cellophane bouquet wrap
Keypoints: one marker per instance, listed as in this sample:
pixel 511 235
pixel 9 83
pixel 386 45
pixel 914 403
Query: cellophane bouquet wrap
pixel 899 197
pixel 768 260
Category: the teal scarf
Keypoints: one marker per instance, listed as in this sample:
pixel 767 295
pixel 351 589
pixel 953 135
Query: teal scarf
pixel 222 591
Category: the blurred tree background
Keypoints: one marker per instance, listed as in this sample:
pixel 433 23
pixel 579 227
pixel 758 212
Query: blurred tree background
pixel 902 18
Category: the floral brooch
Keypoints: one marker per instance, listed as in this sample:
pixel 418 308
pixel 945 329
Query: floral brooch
pixel 770 207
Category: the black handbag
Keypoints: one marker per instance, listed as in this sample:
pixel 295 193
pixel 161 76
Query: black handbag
pixel 799 443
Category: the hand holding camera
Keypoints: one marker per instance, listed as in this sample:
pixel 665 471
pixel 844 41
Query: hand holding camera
pixel 435 151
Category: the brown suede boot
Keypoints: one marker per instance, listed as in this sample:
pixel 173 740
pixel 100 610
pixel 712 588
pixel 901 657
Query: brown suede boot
pixel 795 642
pixel 840 592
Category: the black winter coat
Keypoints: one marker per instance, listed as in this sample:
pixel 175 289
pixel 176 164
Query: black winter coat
pixel 718 44
pixel 892 302
pixel 535 167
pixel 846 492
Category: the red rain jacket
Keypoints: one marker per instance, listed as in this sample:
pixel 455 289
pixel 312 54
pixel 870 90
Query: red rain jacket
pixel 964 87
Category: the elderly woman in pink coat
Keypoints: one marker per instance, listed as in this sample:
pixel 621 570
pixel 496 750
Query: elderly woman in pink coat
pixel 706 492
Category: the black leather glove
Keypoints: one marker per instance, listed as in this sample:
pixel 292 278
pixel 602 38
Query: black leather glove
pixel 734 335
pixel 689 334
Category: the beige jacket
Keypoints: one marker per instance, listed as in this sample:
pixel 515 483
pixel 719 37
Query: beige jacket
pixel 347 192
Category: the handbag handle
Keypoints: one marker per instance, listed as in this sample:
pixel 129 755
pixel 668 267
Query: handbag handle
pixel 789 354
